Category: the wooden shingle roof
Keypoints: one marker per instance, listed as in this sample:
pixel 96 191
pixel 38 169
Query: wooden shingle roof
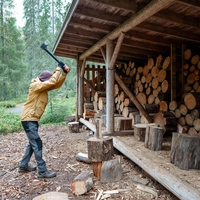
pixel 150 27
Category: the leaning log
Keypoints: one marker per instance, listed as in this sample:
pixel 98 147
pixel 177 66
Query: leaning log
pixel 133 98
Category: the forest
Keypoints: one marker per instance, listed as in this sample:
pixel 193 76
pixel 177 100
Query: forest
pixel 21 58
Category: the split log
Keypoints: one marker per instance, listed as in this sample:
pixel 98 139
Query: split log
pixel 185 151
pixel 82 183
pixel 73 127
pixel 154 138
pixel 100 149
pixel 108 171
pixel 142 98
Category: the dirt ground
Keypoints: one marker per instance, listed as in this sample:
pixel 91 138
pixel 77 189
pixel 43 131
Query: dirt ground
pixel 59 149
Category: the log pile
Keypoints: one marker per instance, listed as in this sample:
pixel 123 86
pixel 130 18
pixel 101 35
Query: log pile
pixel 188 110
pixel 152 82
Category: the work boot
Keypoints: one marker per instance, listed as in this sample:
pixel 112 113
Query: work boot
pixel 46 174
pixel 26 169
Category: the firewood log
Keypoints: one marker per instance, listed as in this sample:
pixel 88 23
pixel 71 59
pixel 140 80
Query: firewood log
pixel 158 61
pixel 150 63
pixel 190 78
pixel 172 105
pixel 154 71
pixel 183 109
pixel 189 120
pixel 99 94
pixel 190 101
pixel 82 183
pixel 162 75
pixel 166 63
pixel 185 151
pixel 163 106
pixel 187 54
pixel 195 59
pixel 196 124
pixel 154 138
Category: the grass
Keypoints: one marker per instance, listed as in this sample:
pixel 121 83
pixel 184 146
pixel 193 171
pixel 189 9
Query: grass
pixel 57 108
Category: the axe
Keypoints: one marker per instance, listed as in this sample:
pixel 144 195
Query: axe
pixel 44 47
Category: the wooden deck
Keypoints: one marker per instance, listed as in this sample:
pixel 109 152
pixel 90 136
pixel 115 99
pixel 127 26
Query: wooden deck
pixel 182 183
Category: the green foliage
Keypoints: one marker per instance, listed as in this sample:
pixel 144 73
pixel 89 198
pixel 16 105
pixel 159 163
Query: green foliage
pixel 7 104
pixel 58 109
pixel 9 122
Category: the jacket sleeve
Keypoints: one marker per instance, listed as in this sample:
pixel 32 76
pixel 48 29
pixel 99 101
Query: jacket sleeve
pixel 59 82
pixel 39 86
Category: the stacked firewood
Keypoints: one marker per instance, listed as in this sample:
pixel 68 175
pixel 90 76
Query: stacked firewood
pixel 152 82
pixel 188 110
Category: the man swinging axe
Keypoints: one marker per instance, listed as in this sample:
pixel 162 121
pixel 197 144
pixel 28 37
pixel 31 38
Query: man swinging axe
pixel 32 111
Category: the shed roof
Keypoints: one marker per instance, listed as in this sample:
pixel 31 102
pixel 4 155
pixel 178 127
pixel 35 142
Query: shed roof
pixel 150 28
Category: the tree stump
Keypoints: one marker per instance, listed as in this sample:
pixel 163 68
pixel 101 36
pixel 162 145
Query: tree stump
pixel 73 127
pixel 82 183
pixel 108 171
pixel 154 138
pixel 140 131
pixel 100 149
pixel 185 151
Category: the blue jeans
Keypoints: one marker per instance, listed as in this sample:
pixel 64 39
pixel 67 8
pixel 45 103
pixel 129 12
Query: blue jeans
pixel 34 146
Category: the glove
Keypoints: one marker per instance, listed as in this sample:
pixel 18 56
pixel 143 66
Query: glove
pixel 61 64
pixel 64 67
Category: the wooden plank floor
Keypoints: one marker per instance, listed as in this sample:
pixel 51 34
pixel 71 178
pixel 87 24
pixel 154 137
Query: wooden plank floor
pixel 185 184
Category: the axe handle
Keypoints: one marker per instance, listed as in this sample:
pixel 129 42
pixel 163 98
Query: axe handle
pixel 52 55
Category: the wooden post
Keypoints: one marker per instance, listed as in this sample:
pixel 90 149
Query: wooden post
pixel 109 88
pixel 81 88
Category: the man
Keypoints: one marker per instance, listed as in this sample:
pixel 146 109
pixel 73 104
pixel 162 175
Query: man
pixel 32 111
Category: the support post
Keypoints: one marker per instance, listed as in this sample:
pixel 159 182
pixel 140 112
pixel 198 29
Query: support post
pixel 173 73
pixel 109 88
pixel 81 87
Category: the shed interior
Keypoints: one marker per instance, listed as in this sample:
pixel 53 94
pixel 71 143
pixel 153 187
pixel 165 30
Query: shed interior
pixel 155 51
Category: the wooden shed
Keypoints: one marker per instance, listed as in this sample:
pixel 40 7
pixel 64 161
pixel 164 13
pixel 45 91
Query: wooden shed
pixel 148 61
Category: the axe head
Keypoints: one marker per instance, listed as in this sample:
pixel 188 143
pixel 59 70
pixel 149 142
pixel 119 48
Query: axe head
pixel 45 44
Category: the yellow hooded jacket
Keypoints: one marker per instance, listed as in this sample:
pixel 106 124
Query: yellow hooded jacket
pixel 38 95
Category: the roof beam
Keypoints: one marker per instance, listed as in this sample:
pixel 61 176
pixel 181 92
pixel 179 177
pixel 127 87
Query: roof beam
pixel 153 7
pixel 170 31
pixel 122 4
pixel 194 3
pixel 178 18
